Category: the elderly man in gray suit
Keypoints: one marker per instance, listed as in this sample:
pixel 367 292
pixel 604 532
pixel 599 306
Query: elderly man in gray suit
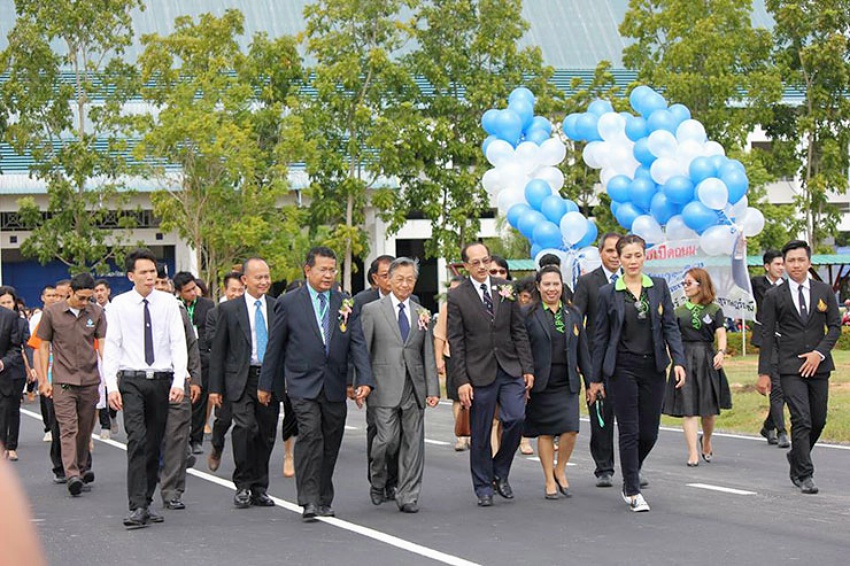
pixel 401 348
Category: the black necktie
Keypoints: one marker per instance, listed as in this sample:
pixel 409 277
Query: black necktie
pixel 148 335
pixel 403 323
pixel 488 300
pixel 801 298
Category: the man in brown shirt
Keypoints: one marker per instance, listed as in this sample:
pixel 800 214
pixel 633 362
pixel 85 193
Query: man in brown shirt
pixel 72 326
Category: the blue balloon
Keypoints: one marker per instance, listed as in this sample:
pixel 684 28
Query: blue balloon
pixel 679 190
pixel 626 214
pixel 537 136
pixel 718 161
pixel 570 126
pixel 535 249
pixel 528 222
pixel 680 112
pixel 508 126
pixel 662 120
pixel 648 101
pixel 615 206
pixel 737 183
pixel 486 143
pixel 516 212
pixel 643 172
pixel 553 208
pixel 524 109
pixel 535 191
pixel 541 123
pixel 548 235
pixel 698 217
pixel 521 93
pixel 642 153
pixel 661 208
pixel 729 166
pixel 701 168
pixel 571 206
pixel 589 236
pixel 586 126
pixel 636 128
pixel 618 188
pixel 641 192
pixel 488 121
pixel 600 107
pixel 637 95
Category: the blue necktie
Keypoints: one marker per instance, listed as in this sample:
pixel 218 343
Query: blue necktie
pixel 260 330
pixel 614 277
pixel 326 319
pixel 403 323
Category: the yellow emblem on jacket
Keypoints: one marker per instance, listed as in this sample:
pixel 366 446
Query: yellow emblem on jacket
pixel 821 306
pixel 575 329
pixel 660 310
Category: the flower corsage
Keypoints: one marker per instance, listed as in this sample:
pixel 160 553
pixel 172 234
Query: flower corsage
pixel 424 318
pixel 344 312
pixel 507 292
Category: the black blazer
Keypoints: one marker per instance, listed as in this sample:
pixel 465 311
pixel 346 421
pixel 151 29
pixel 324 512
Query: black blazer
pixel 203 307
pixel 11 340
pixel 481 344
pixel 230 354
pixel 784 330
pixel 586 298
pixel 611 310
pixel 761 285
pixel 296 353
pixel 540 338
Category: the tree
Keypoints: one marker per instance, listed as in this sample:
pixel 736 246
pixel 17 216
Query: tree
pixel 68 118
pixel 811 140
pixel 355 86
pixel 467 53
pixel 216 139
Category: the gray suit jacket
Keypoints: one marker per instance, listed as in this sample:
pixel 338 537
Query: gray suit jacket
pixel 392 359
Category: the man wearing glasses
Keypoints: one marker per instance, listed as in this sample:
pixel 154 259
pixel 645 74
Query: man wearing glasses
pixel 492 364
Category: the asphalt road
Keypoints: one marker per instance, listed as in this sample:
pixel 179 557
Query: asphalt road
pixel 740 509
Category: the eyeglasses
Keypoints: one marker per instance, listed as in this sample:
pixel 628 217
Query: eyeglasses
pixel 479 262
pixel 499 271
pixel 688 283
pixel 328 271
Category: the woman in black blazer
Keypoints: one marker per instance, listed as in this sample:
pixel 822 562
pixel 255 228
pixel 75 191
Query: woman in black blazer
pixel 18 373
pixel 559 350
pixel 635 327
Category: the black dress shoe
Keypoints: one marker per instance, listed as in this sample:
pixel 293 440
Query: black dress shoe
pixel 794 479
pixel 326 511
pixel 409 508
pixel 137 519
pixel 378 496
pixel 808 486
pixel 770 435
pixel 604 480
pixel 390 493
pixel 485 500
pixel 261 499
pixel 503 488
pixel 214 459
pixel 310 513
pixel 242 499
pixel 75 486
pixel 783 441
pixel 196 448
pixel 88 476
pixel 191 460
pixel 154 517
pixel 174 504
pixel 59 478
pixel 643 481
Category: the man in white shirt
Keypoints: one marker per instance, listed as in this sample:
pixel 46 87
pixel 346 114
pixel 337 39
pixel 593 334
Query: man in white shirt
pixel 145 369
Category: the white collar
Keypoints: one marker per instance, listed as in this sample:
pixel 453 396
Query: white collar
pixel 251 301
pixel 477 285
pixel 396 302
pixel 794 285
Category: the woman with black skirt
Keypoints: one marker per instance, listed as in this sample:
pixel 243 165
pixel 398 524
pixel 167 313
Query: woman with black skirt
pixel 559 349
pixel 635 328
pixel 707 390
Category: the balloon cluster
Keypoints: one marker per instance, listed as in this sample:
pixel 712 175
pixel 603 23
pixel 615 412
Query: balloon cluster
pixel 525 180
pixel 666 179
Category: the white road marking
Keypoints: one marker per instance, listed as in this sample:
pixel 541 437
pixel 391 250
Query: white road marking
pixel 373 534
pixel 349 427
pixel 437 442
pixel 721 489
pixel 537 459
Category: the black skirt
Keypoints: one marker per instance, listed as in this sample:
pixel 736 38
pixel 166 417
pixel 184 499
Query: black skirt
pixel 451 386
pixel 706 390
pixel 553 411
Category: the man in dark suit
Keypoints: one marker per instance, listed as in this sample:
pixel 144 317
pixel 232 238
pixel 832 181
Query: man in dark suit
pixel 314 337
pixel 197 308
pixel 492 364
pixel 11 362
pixel 602 412
pixel 236 357
pixel 773 428
pixel 801 322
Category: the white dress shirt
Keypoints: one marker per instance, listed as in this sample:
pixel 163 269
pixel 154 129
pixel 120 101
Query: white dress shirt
pixel 477 286
pixel 125 337
pixel 807 294
pixel 609 274
pixel 252 315
pixel 406 303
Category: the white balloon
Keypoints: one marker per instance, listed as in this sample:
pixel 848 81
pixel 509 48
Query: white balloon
pixel 499 152
pixel 691 130
pixel 514 176
pixel 719 240
pixel 561 255
pixel 589 259
pixel 606 175
pixel 553 176
pixel 492 181
pixel 552 152
pixel 752 222
pixel 594 154
pixel 509 197
pixel 712 148
pixel 528 155
pixel 648 228
pixel 739 208
pixel 676 229
pixel 573 227
pixel 687 152
pixel 713 193
pixel 611 126
pixel 662 169
pixel 661 143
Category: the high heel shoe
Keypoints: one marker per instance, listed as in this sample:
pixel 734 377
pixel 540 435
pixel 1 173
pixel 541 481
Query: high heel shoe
pixel 551 496
pixel 565 491
pixel 706 457
pixel 693 464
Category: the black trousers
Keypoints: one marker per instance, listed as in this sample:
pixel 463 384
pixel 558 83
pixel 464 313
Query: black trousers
pixel 46 404
pixel 289 428
pixel 321 424
pixel 391 457
pixel 509 393
pixel 807 402
pixel 199 410
pixel 602 437
pixel 145 416
pixel 776 415
pixel 104 415
pixel 221 424
pixel 637 392
pixel 254 431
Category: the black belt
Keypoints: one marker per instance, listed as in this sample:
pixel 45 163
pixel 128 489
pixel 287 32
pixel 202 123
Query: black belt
pixel 255 369
pixel 169 375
